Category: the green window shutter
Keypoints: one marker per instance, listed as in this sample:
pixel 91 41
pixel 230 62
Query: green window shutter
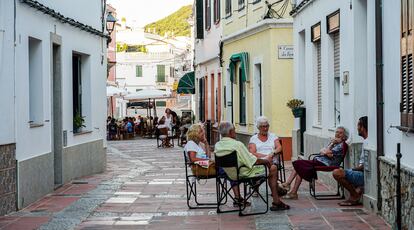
pixel 138 70
pixel 160 73
pixel 160 103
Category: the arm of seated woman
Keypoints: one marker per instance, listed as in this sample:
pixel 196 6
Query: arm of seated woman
pixel 194 158
pixel 253 150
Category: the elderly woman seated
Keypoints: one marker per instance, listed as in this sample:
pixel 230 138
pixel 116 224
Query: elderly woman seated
pixel 265 144
pixel 329 156
pixel 197 149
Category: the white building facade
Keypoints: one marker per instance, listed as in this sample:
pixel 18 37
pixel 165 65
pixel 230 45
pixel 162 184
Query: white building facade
pixel 159 64
pixel 208 35
pixel 53 76
pixel 340 66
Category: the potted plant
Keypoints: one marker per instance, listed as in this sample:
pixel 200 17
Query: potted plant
pixel 296 105
pixel 78 123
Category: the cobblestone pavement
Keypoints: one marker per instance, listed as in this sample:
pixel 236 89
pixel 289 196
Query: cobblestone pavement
pixel 144 188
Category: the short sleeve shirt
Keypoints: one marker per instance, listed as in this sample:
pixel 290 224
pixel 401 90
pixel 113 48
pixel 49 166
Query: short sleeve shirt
pixel 266 147
pixel 191 146
pixel 336 159
pixel 226 146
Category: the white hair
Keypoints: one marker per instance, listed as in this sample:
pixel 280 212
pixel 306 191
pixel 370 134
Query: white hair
pixel 345 131
pixel 261 121
pixel 225 127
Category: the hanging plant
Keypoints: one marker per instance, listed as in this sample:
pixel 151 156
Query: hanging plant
pixel 296 105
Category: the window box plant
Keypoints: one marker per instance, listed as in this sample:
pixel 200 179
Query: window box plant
pixel 78 123
pixel 296 105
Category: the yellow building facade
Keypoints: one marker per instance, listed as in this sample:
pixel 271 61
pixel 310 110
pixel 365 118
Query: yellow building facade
pixel 257 59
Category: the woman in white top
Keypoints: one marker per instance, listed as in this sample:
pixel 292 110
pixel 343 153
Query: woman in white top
pixel 197 147
pixel 168 118
pixel 265 144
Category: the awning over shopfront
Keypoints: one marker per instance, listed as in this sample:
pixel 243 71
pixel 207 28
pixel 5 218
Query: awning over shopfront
pixel 147 94
pixel 243 58
pixel 186 85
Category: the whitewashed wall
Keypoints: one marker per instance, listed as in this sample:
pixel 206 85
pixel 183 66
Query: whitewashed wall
pixel 353 44
pixel 7 131
pixel 36 141
pixel 392 86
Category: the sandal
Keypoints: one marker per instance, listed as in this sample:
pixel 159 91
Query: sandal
pixel 291 196
pixel 281 191
pixel 279 207
pixel 285 186
pixel 349 203
pixel 241 202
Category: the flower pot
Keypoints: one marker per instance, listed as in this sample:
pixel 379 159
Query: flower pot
pixel 298 112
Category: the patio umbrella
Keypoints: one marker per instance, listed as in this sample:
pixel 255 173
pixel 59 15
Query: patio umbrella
pixel 146 94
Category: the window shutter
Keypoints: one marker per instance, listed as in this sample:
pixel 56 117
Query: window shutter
pixel 228 8
pixel 319 81
pixel 337 62
pixel 138 70
pixel 208 14
pixel 407 90
pixel 200 18
pixel 160 73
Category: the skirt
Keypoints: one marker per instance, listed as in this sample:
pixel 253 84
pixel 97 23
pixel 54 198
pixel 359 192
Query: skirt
pixel 305 168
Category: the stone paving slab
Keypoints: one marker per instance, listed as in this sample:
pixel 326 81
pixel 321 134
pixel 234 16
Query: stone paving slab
pixel 144 188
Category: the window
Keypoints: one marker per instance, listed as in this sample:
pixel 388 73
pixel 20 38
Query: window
pixel 216 11
pixel 77 87
pixel 81 91
pixel 208 14
pixel 35 82
pixel 407 88
pixel 160 104
pixel 137 90
pixel 138 71
pixel 241 4
pixel 242 98
pixel 160 73
pixel 228 8
pixel 199 19
pixel 172 70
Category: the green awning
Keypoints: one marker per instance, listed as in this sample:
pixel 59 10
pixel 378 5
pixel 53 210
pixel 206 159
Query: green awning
pixel 186 84
pixel 243 58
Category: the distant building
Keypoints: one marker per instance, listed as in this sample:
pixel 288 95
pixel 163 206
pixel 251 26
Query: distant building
pixel 111 80
pixel 53 73
pixel 146 60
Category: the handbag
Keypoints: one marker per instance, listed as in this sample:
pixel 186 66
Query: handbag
pixel 204 169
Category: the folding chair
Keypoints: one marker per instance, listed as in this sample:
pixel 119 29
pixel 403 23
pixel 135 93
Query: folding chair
pixel 191 187
pixel 162 137
pixel 281 167
pixel 230 162
pixel 312 183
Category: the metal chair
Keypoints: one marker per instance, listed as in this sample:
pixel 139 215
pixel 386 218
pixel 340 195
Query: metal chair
pixel 230 162
pixel 312 183
pixel 191 187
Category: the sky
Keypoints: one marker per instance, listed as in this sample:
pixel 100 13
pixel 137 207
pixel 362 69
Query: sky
pixel 141 12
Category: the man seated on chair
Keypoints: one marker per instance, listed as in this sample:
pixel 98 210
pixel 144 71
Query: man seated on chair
pixel 353 179
pixel 229 144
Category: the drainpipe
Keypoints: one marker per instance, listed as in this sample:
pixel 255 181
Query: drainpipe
pixel 379 96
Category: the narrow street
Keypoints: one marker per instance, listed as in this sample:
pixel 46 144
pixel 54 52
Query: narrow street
pixel 144 188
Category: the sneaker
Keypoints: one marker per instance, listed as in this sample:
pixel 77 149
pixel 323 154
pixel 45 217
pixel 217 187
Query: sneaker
pixel 291 196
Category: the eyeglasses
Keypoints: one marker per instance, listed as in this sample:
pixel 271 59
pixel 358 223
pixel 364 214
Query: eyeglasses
pixel 264 126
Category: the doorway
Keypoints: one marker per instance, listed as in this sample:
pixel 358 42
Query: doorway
pixel 257 91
